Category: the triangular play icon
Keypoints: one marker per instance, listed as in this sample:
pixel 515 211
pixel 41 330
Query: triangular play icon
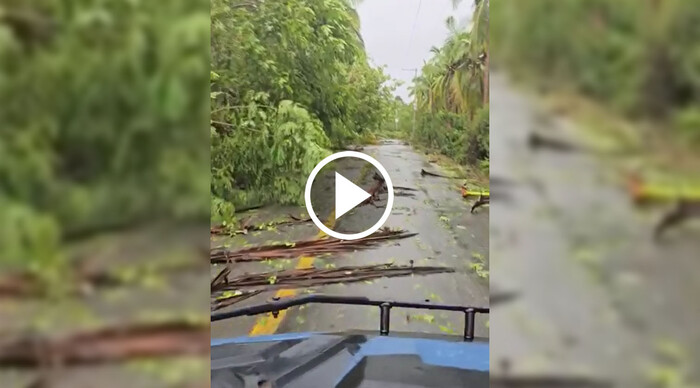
pixel 347 195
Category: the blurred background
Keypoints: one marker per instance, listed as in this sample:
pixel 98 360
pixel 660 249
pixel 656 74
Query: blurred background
pixel 104 193
pixel 595 148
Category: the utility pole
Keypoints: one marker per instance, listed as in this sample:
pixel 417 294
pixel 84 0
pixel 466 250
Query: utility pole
pixel 415 102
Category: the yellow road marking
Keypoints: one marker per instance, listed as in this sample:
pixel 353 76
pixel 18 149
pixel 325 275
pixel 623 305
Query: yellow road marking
pixel 267 324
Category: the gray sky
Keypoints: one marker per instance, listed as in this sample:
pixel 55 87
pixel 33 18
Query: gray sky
pixel 399 35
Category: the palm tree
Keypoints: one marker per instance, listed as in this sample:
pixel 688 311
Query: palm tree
pixel 455 79
pixel 480 42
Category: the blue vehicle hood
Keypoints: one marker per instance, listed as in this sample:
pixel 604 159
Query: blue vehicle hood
pixel 325 360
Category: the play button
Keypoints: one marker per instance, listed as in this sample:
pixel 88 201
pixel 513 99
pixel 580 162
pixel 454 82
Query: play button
pixel 349 195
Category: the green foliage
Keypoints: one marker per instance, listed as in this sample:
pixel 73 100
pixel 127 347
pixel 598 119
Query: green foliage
pixel 641 58
pixel 451 94
pixel 102 110
pixel 687 123
pixel 475 140
pixel 290 81
pixel 285 142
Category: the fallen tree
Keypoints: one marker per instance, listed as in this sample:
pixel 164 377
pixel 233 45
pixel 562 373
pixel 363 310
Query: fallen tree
pixel 305 247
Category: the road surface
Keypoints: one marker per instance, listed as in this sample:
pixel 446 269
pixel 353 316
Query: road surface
pixel 448 235
pixel 596 296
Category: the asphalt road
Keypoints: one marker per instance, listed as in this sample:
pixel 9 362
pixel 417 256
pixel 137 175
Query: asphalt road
pixel 448 235
pixel 596 296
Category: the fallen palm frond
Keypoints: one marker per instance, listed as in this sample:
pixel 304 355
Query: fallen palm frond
pixel 114 344
pixel 424 173
pixel 244 227
pixel 311 277
pixel 306 247
pixel 228 298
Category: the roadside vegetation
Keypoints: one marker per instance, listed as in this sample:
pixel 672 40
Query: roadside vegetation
pixel 451 93
pixel 289 82
pixel 101 117
pixel 103 130
pixel 639 60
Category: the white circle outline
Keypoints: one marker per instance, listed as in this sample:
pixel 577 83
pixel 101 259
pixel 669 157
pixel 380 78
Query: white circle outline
pixel 366 158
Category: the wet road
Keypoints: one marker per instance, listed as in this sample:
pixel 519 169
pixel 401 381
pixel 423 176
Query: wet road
pixel 597 296
pixel 448 235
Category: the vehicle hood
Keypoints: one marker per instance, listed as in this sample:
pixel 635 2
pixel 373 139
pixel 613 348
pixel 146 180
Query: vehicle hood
pixel 309 360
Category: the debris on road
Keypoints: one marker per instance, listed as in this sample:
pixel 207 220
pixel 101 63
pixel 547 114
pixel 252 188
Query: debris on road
pixel 684 211
pixel 112 344
pixel 484 197
pixel 311 277
pixel 483 200
pixel 84 277
pixel 424 173
pixel 538 381
pixel 305 247
pixel 537 141
pixel 228 298
pixel 244 227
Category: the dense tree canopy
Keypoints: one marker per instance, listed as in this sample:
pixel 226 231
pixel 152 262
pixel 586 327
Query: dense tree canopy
pixel 103 106
pixel 290 80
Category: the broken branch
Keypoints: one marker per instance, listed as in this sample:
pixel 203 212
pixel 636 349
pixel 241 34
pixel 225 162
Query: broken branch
pixel 311 277
pixel 306 247
pixel 113 344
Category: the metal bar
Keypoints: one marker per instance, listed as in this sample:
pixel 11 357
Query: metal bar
pixel 385 318
pixel 385 308
pixel 286 303
pixel 469 315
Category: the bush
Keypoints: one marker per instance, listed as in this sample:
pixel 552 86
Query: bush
pixel 687 123
pixel 274 149
pixel 475 140
pixel 101 119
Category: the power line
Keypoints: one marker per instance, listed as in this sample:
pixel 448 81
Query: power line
pixel 413 29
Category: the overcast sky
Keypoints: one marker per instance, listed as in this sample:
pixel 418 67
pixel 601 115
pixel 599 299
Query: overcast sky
pixel 400 33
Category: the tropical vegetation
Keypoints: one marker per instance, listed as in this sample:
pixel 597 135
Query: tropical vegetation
pixel 451 92
pixel 290 81
pixel 639 58
pixel 103 106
